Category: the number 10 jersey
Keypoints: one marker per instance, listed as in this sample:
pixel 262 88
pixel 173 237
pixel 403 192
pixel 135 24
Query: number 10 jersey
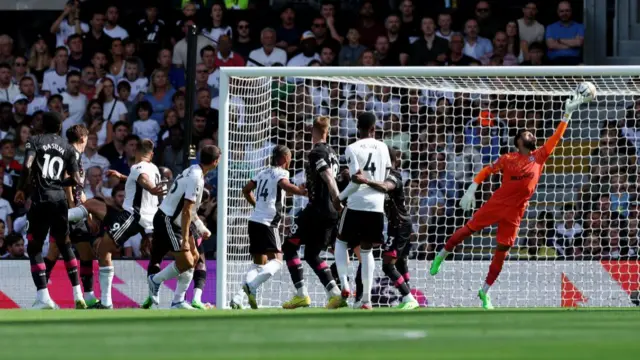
pixel 53 157
pixel 372 158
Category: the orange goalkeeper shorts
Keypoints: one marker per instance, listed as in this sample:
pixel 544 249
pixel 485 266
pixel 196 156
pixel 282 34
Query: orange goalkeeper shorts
pixel 508 220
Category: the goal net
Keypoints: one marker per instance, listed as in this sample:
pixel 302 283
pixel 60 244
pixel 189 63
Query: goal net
pixel 578 241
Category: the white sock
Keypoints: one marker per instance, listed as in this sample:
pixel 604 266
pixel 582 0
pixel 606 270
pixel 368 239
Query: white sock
pixel 197 295
pixel 408 298
pixel 486 287
pixel 77 214
pixel 167 273
pixel 268 270
pixel 252 273
pixel 184 280
pixel 77 293
pixel 89 296
pixel 341 253
pixel 43 295
pixel 302 291
pixel 368 267
pixel 106 282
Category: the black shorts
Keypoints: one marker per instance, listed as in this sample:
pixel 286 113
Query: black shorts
pixel 311 228
pixel 48 217
pixel 167 236
pixel 121 225
pixel 398 239
pixel 356 226
pixel 263 239
pixel 79 233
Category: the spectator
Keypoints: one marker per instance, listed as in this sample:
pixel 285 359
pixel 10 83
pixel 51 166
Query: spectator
pixel 444 26
pixel 172 156
pixel 114 150
pixel 189 10
pixel 124 90
pixel 160 95
pixel 39 59
pixel 351 52
pixel 99 63
pixel 117 64
pixel 268 54
pixel 170 120
pixel 114 109
pixel 96 39
pixel 410 25
pixel 500 51
pixel 591 244
pixel 441 187
pixel 153 34
pixel 3 243
pixel 145 127
pixel 486 22
pixel 308 54
pixel 463 161
pixel 20 70
pixel 244 43
pixel 328 57
pixel 539 236
pixel 226 57
pixel 11 167
pixel 536 55
pixel 8 90
pixel 565 38
pixel 180 50
pixel 368 27
pixel 23 132
pixel 202 81
pixel 393 133
pixel 90 157
pixel 620 197
pixel 568 233
pixel 15 247
pixel 176 74
pixel 208 54
pixel 131 51
pixel 515 46
pixel 55 80
pixel 76 101
pixel 67 24
pixel 5 213
pixel 319 30
pixel 218 25
pixel 95 188
pixel 475 46
pixel 77 56
pixel 429 48
pixel 28 91
pixel 138 84
pixel 287 34
pixel 328 12
pixel 456 57
pixel 399 47
pixel 6 49
pixel 530 30
pixel 96 123
pixel 111 28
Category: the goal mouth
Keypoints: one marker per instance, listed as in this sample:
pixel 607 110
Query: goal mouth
pixel 449 122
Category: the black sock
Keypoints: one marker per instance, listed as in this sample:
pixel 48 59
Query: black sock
pixel 86 275
pixel 49 265
pixel 397 279
pixel 70 263
pixel 290 252
pixel 403 268
pixel 199 279
pixel 359 286
pixel 323 272
pixel 334 273
pixel 38 269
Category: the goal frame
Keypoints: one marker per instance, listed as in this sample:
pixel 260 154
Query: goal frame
pixel 346 72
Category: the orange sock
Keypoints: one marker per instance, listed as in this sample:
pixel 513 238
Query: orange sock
pixel 496 266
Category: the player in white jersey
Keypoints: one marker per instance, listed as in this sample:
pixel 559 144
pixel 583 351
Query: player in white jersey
pixel 362 222
pixel 270 186
pixel 142 188
pixel 172 228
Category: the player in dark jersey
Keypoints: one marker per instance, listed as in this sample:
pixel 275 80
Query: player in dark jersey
pixel 399 229
pixel 53 156
pixel 316 223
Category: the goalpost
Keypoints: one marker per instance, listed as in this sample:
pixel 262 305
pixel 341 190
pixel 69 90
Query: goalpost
pixel 578 241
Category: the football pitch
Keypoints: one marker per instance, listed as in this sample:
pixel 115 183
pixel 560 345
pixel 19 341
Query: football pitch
pixel 320 334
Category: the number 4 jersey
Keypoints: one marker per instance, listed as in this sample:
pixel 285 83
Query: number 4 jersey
pixel 53 157
pixel 372 158
pixel 269 196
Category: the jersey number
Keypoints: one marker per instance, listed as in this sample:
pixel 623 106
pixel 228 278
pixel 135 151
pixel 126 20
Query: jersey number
pixel 262 190
pixel 369 166
pixel 49 170
pixel 175 184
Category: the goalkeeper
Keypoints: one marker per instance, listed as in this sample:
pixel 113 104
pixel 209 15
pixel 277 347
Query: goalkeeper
pixel 521 171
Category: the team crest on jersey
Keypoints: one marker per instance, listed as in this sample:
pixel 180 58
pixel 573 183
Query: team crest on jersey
pixel 531 158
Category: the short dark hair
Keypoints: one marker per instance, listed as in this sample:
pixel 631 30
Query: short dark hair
pixel 518 136
pixel 76 132
pixel 201 113
pixel 209 154
pixel 73 37
pixel 132 60
pixel 123 84
pixel 144 105
pixel 25 78
pixel 132 137
pixel 5 65
pixel 278 153
pixel 117 188
pixel 73 73
pixel 536 45
pixel 60 48
pixel 12 239
pixel 366 121
pixel 51 122
pixel 207 48
pixel 4 142
pixel 119 124
pixel 145 146
pixel 394 153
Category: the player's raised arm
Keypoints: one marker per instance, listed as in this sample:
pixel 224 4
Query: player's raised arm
pixel 571 105
pixel 25 174
pixel 247 192
pixel 292 189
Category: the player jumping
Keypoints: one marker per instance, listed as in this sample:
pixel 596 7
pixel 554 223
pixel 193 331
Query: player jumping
pixel 362 222
pixel 48 213
pixel 270 186
pixel 521 171
pixel 142 188
pixel 315 224
pixel 399 229
pixel 171 228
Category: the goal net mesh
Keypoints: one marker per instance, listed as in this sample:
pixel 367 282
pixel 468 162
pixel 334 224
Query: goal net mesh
pixel 578 241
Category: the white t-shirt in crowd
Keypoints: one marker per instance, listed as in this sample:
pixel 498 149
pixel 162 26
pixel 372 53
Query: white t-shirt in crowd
pixel 118 32
pixel 138 86
pixel 77 107
pixel 277 56
pixel 213 34
pixel 214 79
pixel 38 103
pixel 54 82
pixel 5 211
pixel 180 50
pixel 96 160
pixel 67 30
pixel 301 60
pixel 147 129
pixel 106 192
pixel 118 109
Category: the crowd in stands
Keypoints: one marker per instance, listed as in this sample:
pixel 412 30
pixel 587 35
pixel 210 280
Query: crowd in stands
pixel 125 80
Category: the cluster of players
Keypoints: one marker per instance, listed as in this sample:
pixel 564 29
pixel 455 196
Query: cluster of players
pixel 373 189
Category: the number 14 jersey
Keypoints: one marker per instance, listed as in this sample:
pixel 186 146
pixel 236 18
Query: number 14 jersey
pixel 53 157
pixel 269 196
pixel 372 158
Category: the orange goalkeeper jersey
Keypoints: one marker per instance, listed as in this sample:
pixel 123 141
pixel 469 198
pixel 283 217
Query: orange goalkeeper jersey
pixel 520 173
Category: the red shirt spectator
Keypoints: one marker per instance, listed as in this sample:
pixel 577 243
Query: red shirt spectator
pixel 225 56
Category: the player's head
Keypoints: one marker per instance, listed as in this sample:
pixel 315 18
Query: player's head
pixel 281 156
pixel 395 155
pixel 209 157
pixel 367 125
pixel 524 140
pixel 320 128
pixel 77 136
pixel 145 149
pixel 51 122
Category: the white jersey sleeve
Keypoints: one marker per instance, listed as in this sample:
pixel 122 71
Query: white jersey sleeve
pixel 372 157
pixel 269 196
pixel 187 186
pixel 139 200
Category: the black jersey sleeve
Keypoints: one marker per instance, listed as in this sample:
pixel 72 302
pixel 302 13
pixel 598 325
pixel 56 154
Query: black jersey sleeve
pixel 30 147
pixel 395 178
pixel 319 160
pixel 72 159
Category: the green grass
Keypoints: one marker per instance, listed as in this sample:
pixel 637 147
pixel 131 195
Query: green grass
pixel 320 334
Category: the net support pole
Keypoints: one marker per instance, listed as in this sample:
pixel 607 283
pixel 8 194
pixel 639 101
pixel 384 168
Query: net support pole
pixel 223 185
pixel 189 151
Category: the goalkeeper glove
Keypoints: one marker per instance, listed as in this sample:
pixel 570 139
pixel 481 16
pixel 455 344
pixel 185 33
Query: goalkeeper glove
pixel 572 104
pixel 468 201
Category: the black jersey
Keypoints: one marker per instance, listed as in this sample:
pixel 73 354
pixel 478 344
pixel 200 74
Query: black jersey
pixel 53 156
pixel 394 205
pixel 78 189
pixel 321 158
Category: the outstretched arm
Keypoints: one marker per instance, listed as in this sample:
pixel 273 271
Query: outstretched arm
pixel 145 182
pixel 292 189
pixel 571 105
